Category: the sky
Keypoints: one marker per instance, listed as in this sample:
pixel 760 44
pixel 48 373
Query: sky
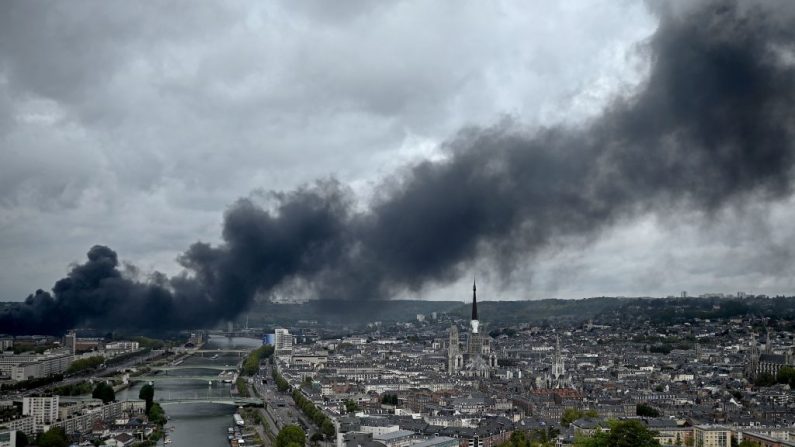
pixel 138 125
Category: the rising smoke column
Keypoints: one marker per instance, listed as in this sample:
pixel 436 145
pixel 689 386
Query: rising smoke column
pixel 712 127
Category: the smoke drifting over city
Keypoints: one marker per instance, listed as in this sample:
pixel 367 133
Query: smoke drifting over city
pixel 712 127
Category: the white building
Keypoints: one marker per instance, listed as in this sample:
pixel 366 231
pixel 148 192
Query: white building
pixel 122 346
pixel 400 438
pixel 44 410
pixel 8 438
pixel 27 366
pixel 23 424
pixel 712 436
pixel 283 341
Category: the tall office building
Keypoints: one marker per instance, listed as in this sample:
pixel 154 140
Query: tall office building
pixel 70 341
pixel 283 340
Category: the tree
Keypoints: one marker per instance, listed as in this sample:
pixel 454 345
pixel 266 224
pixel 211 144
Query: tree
pixel 389 399
pixel 281 384
pixel 105 392
pixel 84 364
pixel 22 439
pixel 631 433
pixel 54 437
pixel 327 427
pixel 599 439
pixel 747 443
pixel 251 364
pixel 786 375
pixel 157 415
pixel 572 414
pixel 765 379
pixel 147 394
pixel 518 439
pixel 628 433
pixel 290 436
pixel 646 410
pixel 351 406
pixel 543 437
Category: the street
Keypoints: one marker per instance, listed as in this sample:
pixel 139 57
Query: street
pixel 280 410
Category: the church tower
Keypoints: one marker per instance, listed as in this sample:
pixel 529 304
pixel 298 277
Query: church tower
pixel 454 358
pixel 768 345
pixel 475 340
pixel 475 358
pixel 475 323
pixel 558 368
pixel 752 362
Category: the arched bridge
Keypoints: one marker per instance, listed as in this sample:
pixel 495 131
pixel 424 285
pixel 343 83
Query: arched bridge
pixel 222 351
pixel 165 378
pixel 211 400
pixel 182 367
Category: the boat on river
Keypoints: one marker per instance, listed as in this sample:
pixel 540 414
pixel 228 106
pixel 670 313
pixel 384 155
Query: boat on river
pixel 238 420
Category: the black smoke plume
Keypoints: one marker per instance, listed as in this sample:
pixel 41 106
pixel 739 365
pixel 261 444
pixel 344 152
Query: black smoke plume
pixel 711 127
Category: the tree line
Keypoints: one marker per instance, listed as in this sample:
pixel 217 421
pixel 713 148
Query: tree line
pixel 251 364
pixel 314 413
pixel 786 375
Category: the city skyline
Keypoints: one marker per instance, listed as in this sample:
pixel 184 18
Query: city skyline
pixel 402 223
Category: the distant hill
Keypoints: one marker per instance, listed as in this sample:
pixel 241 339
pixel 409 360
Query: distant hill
pixel 348 311
pixel 600 309
pixel 492 312
pixel 606 310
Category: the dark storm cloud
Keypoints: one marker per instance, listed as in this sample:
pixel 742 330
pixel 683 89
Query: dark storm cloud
pixel 711 128
pixel 93 292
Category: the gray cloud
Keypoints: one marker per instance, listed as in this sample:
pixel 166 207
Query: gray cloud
pixel 119 120
pixel 709 133
pixel 133 125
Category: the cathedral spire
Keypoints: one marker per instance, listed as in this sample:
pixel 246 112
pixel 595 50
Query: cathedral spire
pixel 474 300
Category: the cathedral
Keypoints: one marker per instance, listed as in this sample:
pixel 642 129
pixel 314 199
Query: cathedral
pixel 556 377
pixel 476 358
pixel 767 361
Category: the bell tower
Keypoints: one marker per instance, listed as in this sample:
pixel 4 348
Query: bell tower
pixel 474 324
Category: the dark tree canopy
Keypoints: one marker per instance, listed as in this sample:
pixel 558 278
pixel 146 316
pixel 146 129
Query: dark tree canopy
pixel 629 433
pixel 290 436
pixel 147 394
pixel 647 410
pixel 54 437
pixel 105 392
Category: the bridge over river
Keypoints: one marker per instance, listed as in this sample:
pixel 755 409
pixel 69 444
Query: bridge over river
pixel 224 400
pixel 239 352
pixel 203 366
pixel 166 378
pixel 239 401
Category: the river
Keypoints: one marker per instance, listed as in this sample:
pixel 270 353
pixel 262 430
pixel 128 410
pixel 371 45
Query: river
pixel 198 424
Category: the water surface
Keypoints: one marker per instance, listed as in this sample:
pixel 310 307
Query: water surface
pixel 198 424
